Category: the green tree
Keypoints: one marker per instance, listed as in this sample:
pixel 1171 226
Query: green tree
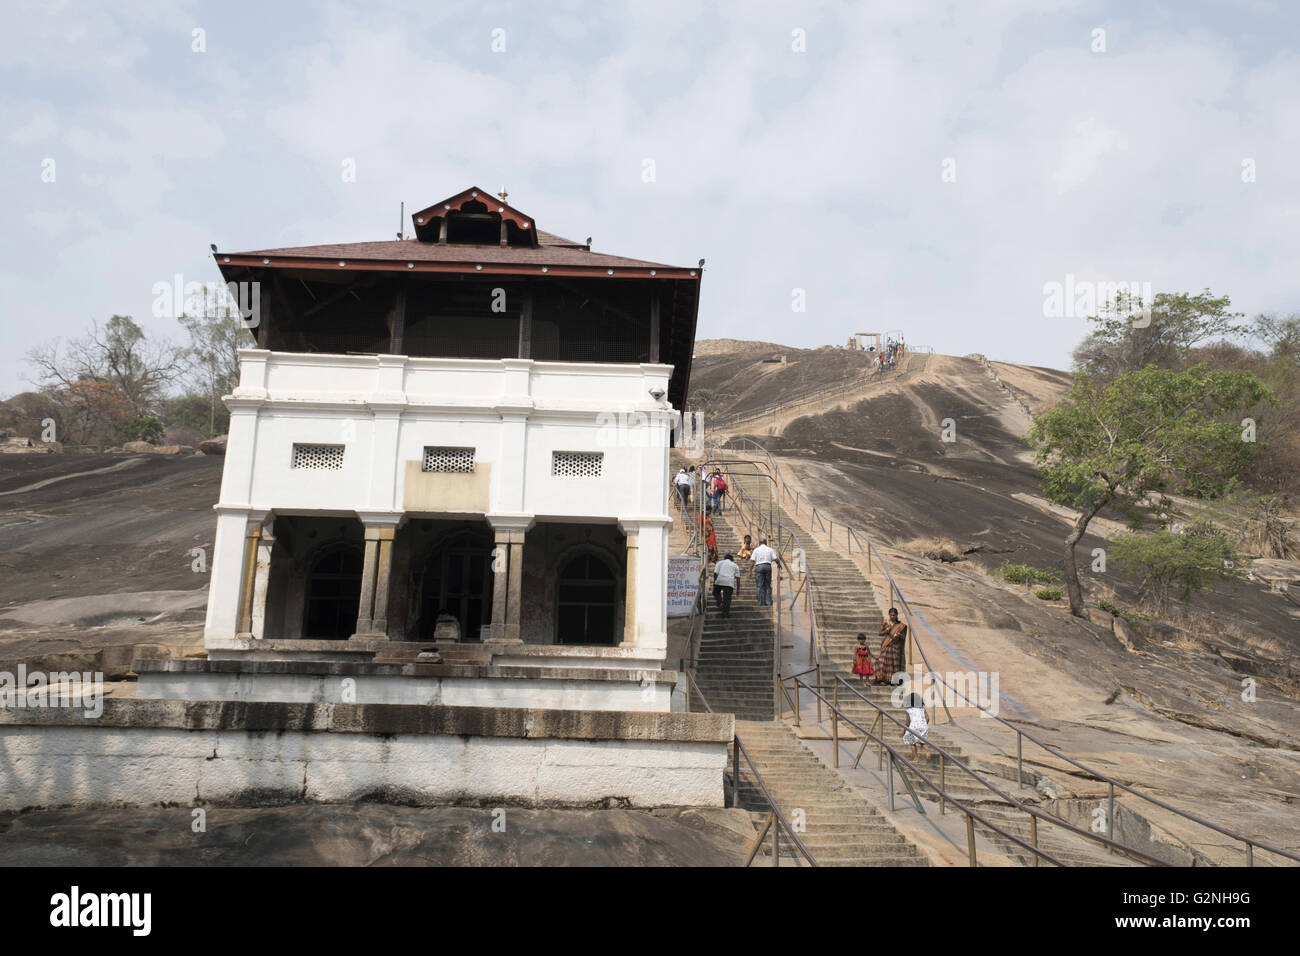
pixel 1280 336
pixel 195 410
pixel 1153 430
pixel 212 357
pixel 1126 338
pixel 1163 561
pixel 118 354
pixel 143 429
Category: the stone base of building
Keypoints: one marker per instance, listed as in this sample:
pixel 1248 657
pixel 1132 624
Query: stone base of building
pixel 545 686
pixel 237 753
pixel 500 653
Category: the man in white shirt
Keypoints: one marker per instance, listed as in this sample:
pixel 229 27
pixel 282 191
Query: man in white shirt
pixel 683 485
pixel 763 557
pixel 725 573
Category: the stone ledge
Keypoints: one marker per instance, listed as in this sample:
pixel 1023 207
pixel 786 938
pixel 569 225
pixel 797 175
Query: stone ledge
pixel 406 650
pixel 576 650
pixel 385 719
pixel 396 670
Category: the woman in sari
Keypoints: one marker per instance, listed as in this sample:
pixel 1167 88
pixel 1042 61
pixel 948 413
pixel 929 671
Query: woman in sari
pixel 894 634
pixel 711 540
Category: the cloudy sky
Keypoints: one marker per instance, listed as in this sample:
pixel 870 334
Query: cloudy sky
pixel 913 165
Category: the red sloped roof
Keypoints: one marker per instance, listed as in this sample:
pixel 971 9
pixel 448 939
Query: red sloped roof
pixel 425 253
pixel 553 251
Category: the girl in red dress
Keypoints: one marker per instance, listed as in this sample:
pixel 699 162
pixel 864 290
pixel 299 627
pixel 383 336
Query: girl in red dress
pixel 862 659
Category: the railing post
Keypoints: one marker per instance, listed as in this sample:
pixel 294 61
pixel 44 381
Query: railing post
pixel 1250 854
pixel 776 652
pixel 776 840
pixel 943 796
pixel 807 606
pixel 735 772
pixel 812 624
pixel 796 701
pixel 835 722
pixel 1033 835
pixel 970 838
pixel 1020 766
pixel 891 782
pixel 1110 818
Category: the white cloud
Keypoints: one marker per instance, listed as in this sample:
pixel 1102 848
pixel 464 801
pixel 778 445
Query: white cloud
pixel 1083 149
pixel 819 169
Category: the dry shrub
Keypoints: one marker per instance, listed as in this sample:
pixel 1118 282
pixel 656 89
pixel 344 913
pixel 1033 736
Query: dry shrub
pixel 936 549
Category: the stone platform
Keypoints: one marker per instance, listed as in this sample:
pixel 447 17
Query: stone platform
pixel 551 684
pixel 241 753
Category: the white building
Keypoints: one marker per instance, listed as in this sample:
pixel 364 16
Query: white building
pixel 457 441
pixel 472 426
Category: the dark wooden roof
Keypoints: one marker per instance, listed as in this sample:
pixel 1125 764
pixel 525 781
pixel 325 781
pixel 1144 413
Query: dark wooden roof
pixel 554 252
pixel 551 257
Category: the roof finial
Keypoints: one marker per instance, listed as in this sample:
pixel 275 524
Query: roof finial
pixel 503 194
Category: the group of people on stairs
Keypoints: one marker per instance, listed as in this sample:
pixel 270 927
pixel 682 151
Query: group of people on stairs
pixel 726 580
pixel 726 573
pixel 893 634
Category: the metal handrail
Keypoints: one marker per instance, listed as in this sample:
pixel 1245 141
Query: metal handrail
pixel 740 501
pixel 777 534
pixel 1006 796
pixel 775 815
pixel 970 814
pixel 695 606
pixel 1250 842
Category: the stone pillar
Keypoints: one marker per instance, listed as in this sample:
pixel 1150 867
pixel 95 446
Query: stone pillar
pixel 514 603
pixel 508 580
pixel 630 589
pixel 383 577
pixel 500 582
pixel 645 623
pixel 376 575
pixel 262 578
pixel 366 610
pixel 228 565
pixel 252 535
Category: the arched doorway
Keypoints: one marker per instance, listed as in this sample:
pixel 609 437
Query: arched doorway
pixel 458 580
pixel 586 600
pixel 333 593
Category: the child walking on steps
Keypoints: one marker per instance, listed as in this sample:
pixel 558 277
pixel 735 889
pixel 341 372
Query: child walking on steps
pixel 917 726
pixel 862 659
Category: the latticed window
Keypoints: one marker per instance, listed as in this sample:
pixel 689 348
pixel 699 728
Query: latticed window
pixel 576 464
pixel 318 457
pixel 458 461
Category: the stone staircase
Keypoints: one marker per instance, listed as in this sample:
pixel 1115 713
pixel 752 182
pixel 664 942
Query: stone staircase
pixel 734 666
pixel 844 606
pixel 841 828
